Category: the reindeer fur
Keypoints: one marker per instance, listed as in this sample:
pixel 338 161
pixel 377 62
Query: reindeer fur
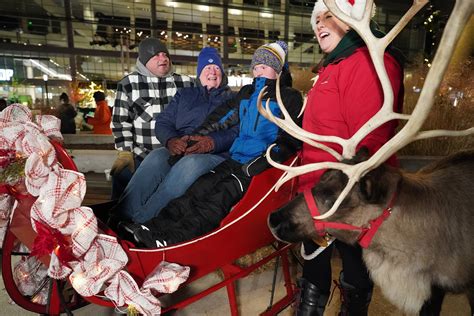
pixel 428 240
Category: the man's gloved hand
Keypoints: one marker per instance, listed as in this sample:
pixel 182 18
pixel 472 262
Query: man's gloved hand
pixel 177 146
pixel 124 159
pixel 204 144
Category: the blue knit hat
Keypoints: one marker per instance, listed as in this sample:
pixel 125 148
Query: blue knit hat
pixel 272 55
pixel 208 56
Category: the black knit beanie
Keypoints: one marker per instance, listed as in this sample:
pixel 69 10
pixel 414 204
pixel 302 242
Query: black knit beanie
pixel 149 48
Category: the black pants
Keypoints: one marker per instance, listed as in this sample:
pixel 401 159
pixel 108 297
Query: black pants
pixel 318 270
pixel 204 205
pixel 121 179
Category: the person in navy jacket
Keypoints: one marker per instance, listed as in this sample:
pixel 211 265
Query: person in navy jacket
pixel 162 177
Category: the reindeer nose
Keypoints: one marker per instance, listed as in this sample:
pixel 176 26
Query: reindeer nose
pixel 274 219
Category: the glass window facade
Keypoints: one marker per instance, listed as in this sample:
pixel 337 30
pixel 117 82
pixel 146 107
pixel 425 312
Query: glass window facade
pixel 97 40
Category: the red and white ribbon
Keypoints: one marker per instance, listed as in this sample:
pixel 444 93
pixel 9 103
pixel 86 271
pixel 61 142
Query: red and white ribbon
pixel 100 258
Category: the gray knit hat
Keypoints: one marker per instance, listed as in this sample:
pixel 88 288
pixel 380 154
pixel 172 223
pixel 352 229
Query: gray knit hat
pixel 150 47
pixel 272 55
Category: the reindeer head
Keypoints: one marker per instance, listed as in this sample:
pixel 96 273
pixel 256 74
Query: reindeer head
pixel 363 203
pixel 349 182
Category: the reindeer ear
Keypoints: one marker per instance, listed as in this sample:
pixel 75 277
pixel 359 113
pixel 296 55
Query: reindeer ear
pixel 366 186
pixel 372 187
pixel 361 155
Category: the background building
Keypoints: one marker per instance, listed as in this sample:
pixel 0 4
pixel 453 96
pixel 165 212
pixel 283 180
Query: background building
pixel 50 46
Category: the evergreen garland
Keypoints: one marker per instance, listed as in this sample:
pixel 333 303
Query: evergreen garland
pixel 12 167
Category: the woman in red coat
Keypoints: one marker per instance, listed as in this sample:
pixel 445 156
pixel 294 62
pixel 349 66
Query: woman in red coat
pixel 345 96
pixel 102 115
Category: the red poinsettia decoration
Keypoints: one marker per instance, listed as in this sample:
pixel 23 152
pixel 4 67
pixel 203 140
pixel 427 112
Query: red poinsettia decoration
pixel 50 239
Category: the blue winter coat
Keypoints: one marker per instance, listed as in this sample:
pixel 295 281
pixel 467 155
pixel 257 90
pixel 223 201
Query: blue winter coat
pixel 188 110
pixel 256 132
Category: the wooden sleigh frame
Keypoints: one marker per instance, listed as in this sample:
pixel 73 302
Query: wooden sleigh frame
pixel 245 226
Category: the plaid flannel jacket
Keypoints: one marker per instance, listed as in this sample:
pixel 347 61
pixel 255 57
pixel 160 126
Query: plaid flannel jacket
pixel 139 99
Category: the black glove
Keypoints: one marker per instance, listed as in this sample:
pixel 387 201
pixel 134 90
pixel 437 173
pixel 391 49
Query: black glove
pixel 279 154
pixel 255 166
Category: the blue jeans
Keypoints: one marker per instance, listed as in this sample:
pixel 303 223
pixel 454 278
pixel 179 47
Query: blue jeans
pixel 155 182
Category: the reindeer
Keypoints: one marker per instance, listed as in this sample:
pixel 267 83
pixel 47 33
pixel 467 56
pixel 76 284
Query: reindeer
pixel 415 228
pixel 425 239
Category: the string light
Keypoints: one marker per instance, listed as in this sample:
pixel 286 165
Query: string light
pixel 132 310
pixel 433 26
pixel 77 281
pixel 98 268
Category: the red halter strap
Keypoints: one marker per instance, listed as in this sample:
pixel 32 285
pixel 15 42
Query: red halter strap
pixel 366 233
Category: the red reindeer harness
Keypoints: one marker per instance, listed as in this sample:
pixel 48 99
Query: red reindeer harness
pixel 366 233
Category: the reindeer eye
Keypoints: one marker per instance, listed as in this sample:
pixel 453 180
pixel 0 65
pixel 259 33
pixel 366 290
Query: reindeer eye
pixel 328 203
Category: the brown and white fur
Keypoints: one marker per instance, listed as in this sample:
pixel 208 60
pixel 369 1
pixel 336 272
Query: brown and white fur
pixel 428 240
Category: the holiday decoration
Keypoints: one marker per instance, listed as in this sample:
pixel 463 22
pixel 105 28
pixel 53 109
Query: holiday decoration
pixel 66 230
pixel 30 275
pixel 12 170
pixel 51 240
pixel 6 205
pixel 87 100
pixel 434 23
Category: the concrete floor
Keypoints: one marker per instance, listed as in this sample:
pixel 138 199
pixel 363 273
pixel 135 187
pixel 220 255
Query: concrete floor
pixel 253 298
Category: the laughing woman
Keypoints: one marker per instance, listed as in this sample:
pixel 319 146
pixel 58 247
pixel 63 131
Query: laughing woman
pixel 345 96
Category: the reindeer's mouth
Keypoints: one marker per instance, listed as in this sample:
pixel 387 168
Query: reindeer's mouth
pixel 283 229
pixel 281 232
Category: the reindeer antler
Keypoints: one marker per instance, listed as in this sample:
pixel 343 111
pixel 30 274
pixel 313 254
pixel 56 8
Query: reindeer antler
pixel 410 132
pixel 290 126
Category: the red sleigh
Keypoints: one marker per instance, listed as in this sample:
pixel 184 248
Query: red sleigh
pixel 245 226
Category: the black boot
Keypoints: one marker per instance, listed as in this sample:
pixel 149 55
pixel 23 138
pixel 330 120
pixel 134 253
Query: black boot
pixel 311 301
pixel 355 302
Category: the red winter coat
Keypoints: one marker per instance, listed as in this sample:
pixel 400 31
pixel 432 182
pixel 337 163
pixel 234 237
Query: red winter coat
pixel 346 95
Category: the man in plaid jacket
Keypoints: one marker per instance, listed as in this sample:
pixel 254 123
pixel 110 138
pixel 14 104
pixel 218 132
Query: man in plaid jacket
pixel 140 96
